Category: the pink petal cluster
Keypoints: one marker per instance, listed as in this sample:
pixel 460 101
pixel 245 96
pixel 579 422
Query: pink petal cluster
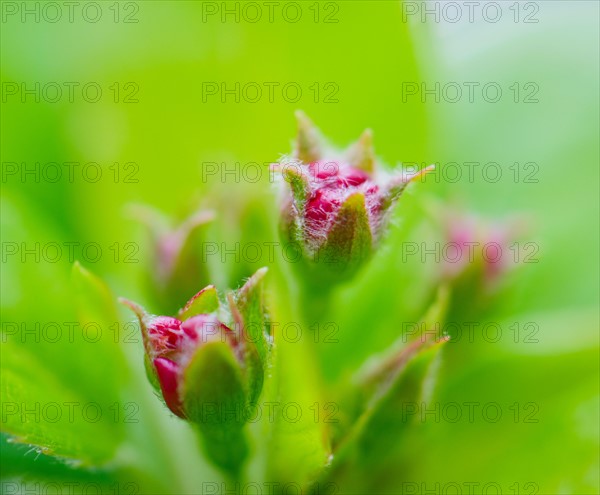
pixel 170 343
pixel 331 183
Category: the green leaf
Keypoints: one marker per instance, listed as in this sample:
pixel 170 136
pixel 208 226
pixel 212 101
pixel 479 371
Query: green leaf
pixel 25 471
pixel 75 393
pixel 40 410
pixel 383 420
pixel 96 309
pixel 95 301
pixel 549 415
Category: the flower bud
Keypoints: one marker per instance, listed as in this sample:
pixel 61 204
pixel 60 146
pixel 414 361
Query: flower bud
pixel 477 257
pixel 339 204
pixel 206 369
pixel 172 343
pixel 478 248
pixel 176 261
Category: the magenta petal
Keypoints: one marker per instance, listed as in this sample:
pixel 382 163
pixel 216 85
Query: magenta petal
pixel 195 326
pixel 322 204
pixel 164 324
pixel 168 377
pixel 164 332
pixel 353 177
pixel 330 190
pixel 335 175
pixel 324 170
pixel 205 328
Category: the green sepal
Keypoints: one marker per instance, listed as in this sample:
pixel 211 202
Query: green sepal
pixel 299 184
pixel 397 185
pixel 361 154
pixel 214 398
pixel 143 317
pixel 151 374
pixel 227 450
pixel 254 370
pixel 249 300
pixel 350 241
pixel 309 143
pixel 205 301
pixel 213 378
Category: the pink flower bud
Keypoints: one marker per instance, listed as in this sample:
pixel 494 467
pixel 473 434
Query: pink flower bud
pixel 339 202
pixel 478 246
pixel 176 265
pixel 176 348
pixel 170 344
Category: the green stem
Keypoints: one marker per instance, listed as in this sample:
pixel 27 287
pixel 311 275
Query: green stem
pixel 227 450
pixel 315 303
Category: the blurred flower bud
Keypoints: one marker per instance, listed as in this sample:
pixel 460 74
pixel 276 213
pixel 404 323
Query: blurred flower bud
pixel 339 204
pixel 177 267
pixel 473 246
pixel 476 258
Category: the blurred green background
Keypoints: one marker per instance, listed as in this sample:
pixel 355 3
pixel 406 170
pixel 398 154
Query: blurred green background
pixel 361 65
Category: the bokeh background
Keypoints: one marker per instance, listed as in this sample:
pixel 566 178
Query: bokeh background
pixel 162 127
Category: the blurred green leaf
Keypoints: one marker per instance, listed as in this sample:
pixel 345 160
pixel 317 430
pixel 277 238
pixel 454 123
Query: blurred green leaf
pixel 382 423
pixel 300 439
pixel 40 410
